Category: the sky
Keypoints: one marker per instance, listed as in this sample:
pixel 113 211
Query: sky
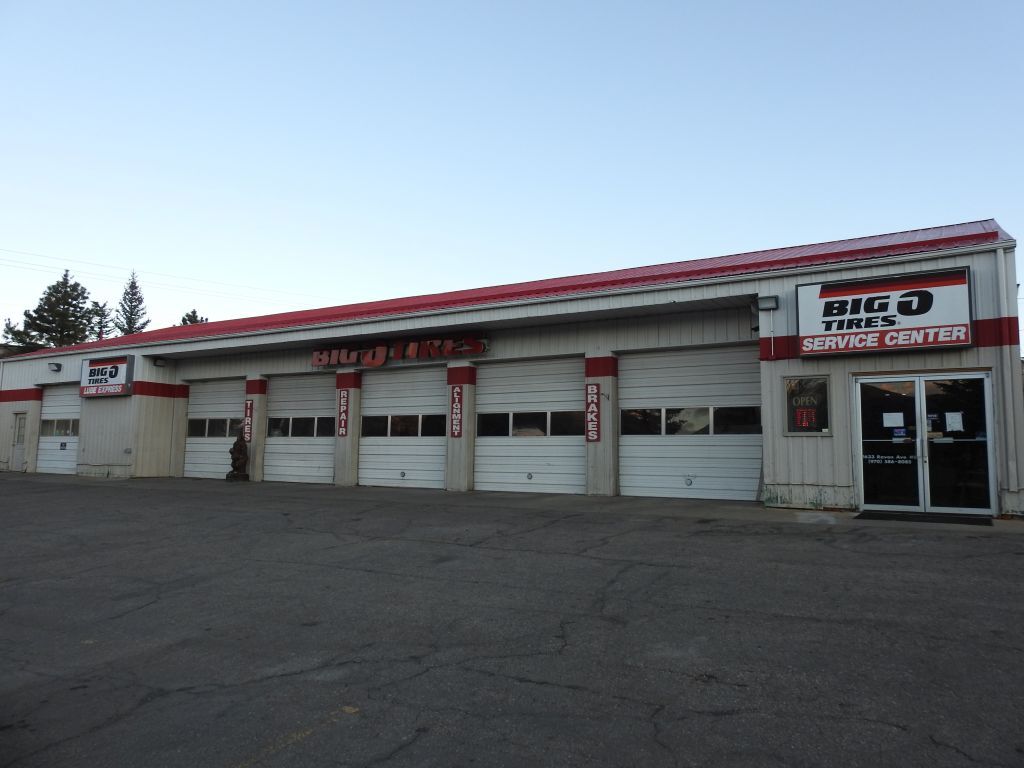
pixel 246 158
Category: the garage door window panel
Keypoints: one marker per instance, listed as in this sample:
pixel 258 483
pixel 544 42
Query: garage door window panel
pixel 743 420
pixel 303 426
pixel 434 425
pixel 325 426
pixel 405 426
pixel 375 426
pixel 641 421
pixel 530 424
pixel 567 423
pixel 687 421
pixel 492 425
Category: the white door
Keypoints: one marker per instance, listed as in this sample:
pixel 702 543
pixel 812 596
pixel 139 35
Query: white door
pixel 924 443
pixel 18 449
pixel 300 429
pixel 690 424
pixel 530 427
pixel 403 439
pixel 215 411
pixel 58 430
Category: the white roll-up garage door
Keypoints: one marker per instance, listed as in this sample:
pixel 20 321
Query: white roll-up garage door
pixel 300 429
pixel 530 427
pixel 214 414
pixel 404 436
pixel 691 423
pixel 58 432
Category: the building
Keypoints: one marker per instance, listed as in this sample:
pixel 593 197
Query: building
pixel 881 372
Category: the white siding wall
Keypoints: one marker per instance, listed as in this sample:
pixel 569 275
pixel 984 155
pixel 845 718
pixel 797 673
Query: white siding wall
pixel 691 466
pixel 404 461
pixel 209 456
pixel 300 459
pixel 60 402
pixel 541 464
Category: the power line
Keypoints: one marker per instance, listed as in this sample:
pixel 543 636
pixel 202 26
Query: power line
pixel 201 280
pixel 264 300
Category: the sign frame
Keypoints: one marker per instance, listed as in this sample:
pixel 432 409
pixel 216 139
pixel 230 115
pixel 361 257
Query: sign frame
pixel 89 386
pixel 885 331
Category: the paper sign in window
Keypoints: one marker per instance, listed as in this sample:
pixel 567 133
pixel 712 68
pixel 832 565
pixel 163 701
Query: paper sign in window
pixel 892 419
pixel 954 421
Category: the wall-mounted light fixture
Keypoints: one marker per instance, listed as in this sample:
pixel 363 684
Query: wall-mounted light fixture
pixel 769 304
pixel 55 367
pixel 159 362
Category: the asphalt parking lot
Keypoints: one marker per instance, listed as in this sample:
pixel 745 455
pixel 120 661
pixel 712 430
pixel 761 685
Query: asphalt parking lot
pixel 199 623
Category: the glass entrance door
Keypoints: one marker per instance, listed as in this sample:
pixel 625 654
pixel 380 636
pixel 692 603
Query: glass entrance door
pixel 18 452
pixel 925 443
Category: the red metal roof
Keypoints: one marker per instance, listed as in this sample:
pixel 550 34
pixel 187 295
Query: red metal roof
pixel 837 251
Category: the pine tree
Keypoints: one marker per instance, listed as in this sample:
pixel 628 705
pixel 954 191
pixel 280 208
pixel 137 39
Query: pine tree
pixel 131 310
pixel 193 318
pixel 102 321
pixel 61 318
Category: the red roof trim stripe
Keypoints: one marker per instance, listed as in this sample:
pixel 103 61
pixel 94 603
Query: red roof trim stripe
pixel 974 233
pixel 21 395
pixel 989 332
pixel 159 389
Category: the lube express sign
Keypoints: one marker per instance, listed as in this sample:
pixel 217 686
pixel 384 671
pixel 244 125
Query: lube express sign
pixel 898 312
pixel 106 377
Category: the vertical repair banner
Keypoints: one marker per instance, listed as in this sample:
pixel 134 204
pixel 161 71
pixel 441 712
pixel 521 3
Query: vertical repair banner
pixel 342 413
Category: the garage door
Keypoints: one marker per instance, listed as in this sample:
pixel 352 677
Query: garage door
pixel 403 440
pixel 530 427
pixel 691 424
pixel 300 429
pixel 58 432
pixel 214 418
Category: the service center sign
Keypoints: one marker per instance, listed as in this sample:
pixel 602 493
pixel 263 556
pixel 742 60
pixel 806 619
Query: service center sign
pixel 901 312
pixel 105 377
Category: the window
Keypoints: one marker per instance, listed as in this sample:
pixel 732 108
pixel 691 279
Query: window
pixel 304 426
pixel 720 420
pixel 566 423
pixel 743 420
pixel 492 425
pixel 807 405
pixel 434 425
pixel 405 426
pixel 688 421
pixel 530 424
pixel 300 426
pixel 58 428
pixel 641 421
pixel 212 428
pixel 375 426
